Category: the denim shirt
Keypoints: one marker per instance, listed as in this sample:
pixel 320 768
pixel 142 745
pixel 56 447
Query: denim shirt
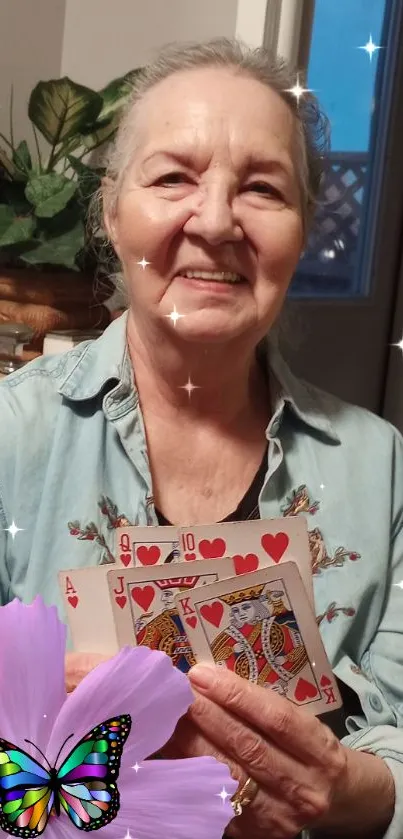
pixel 74 466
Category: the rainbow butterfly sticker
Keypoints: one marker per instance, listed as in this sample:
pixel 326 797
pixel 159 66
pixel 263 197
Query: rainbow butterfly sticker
pixel 84 786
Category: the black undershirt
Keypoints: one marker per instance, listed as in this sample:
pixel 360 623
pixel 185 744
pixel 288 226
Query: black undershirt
pixel 248 507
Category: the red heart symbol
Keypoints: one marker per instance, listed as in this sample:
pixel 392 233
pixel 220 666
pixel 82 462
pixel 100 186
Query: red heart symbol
pixel 275 546
pixel 121 600
pixel 325 682
pixel 143 596
pixel 148 555
pixel 73 600
pixel 190 557
pixel 305 690
pixel 212 550
pixel 213 613
pixel 125 559
pixel 192 621
pixel 244 564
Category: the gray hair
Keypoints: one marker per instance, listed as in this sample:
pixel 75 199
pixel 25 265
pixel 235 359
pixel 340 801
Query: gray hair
pixel 312 126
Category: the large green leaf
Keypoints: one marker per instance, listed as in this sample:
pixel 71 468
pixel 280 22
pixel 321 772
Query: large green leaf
pixel 14 229
pixel 22 158
pixel 60 108
pixel 114 97
pixel 58 250
pixel 49 193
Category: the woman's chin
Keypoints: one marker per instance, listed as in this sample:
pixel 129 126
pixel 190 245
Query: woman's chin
pixel 211 329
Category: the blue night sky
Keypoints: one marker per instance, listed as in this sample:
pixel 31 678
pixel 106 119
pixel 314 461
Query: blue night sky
pixel 341 75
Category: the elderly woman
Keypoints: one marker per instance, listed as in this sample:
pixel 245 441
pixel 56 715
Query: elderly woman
pixel 182 412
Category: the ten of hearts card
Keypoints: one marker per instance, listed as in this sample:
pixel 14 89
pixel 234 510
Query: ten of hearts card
pixel 252 545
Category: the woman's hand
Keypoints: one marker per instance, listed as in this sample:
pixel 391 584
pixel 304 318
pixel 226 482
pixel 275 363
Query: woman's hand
pixel 77 665
pixel 296 760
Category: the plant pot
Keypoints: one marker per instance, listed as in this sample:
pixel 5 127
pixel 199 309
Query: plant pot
pixel 54 300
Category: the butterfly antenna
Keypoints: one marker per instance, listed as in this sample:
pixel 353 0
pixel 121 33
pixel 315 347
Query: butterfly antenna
pixel 62 747
pixel 38 750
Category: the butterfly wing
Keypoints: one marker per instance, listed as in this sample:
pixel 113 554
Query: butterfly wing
pixel 26 798
pixel 88 777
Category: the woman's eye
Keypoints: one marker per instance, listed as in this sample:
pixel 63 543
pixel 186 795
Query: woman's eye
pixel 264 188
pixel 172 178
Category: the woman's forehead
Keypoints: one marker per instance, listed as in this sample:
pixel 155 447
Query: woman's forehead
pixel 212 103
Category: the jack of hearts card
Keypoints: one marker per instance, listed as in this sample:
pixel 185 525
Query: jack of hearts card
pixel 144 609
pixel 144 547
pixel 261 626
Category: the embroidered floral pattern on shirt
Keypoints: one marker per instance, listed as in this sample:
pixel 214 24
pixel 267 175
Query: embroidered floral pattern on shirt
pixel 90 532
pixel 333 611
pixel 299 502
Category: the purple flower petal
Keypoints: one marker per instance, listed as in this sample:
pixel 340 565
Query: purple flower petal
pixel 137 681
pixel 32 688
pixel 179 799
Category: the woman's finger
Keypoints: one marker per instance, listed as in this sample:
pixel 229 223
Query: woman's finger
pixel 276 718
pixel 281 775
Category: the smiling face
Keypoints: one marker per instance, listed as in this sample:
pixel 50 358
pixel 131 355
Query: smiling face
pixel 212 187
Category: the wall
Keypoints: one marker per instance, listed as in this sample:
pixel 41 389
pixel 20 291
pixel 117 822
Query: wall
pixel 31 37
pixel 104 39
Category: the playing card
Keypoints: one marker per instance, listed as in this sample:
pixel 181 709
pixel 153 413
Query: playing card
pixel 146 546
pixel 144 608
pixel 88 609
pixel 262 627
pixel 252 545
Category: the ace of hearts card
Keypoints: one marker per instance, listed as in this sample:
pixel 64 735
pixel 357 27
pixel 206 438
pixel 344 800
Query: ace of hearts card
pixel 262 627
pixel 252 545
pixel 144 608
pixel 144 547
pixel 88 609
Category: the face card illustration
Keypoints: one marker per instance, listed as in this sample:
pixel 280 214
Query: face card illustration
pixel 261 626
pixel 144 609
pixel 252 545
pixel 88 609
pixel 144 547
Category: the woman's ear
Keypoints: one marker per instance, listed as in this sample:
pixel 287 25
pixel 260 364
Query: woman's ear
pixel 109 211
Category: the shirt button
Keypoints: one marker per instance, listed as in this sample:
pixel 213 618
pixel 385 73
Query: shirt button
pixel 375 702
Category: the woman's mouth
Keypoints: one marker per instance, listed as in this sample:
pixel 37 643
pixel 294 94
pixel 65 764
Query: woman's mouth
pixel 225 277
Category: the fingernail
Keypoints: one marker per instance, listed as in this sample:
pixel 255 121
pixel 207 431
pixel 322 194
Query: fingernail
pixel 202 676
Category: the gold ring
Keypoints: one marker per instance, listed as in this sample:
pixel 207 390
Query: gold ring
pixel 244 796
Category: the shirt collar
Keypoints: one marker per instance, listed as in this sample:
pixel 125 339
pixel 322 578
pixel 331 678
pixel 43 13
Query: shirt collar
pixel 105 361
pixel 307 402
pixel 90 367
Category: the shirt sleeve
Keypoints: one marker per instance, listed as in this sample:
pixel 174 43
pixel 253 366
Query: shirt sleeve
pixel 4 575
pixel 383 661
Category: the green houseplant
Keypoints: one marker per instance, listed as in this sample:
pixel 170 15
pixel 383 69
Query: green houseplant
pixel 47 257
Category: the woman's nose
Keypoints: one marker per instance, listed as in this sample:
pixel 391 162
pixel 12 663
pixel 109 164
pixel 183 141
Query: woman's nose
pixel 214 219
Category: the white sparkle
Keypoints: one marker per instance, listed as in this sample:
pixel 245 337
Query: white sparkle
pixel 297 90
pixel 136 767
pixel 143 262
pixel 45 716
pixel 399 585
pixel 128 835
pixel 322 487
pixel 174 316
pixel 223 795
pixel 190 387
pixel 370 47
pixel 399 345
pixel 13 529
